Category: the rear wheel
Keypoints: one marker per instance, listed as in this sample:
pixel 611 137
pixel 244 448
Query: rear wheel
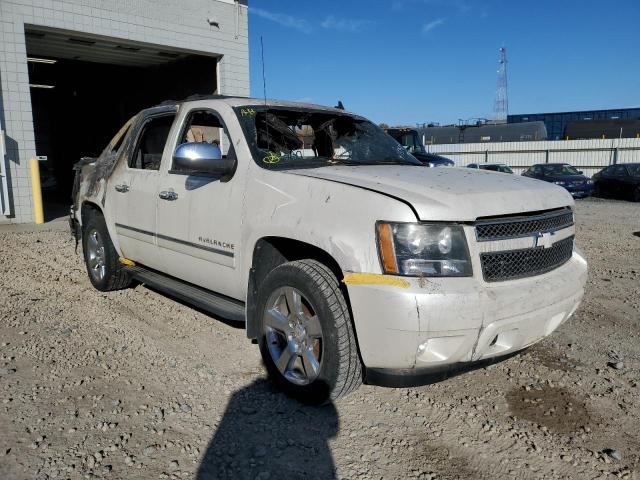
pixel 100 256
pixel 307 340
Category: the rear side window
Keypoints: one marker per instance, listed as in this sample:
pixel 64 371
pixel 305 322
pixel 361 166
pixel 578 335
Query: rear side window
pixel 151 142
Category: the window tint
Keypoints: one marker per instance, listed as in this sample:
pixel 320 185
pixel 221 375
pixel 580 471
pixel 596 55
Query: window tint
pixel 620 171
pixel 151 142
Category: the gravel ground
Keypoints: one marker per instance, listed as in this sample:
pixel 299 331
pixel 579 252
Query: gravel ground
pixel 132 384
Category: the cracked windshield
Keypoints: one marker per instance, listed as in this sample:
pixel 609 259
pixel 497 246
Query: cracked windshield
pixel 286 139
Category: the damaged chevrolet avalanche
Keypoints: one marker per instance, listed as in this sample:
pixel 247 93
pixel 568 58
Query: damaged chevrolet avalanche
pixel 346 258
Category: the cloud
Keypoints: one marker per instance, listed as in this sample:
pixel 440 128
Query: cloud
pixel 344 24
pixel 427 27
pixel 283 19
pixel 461 5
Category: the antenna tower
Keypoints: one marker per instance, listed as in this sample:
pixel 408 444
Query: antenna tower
pixel 501 104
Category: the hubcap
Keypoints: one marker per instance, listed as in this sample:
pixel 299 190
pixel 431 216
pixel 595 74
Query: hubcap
pixel 95 255
pixel 294 335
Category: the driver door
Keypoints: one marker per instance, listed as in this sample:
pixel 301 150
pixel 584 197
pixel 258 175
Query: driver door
pixel 198 214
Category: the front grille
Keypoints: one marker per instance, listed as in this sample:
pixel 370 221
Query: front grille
pixel 509 265
pixel 499 229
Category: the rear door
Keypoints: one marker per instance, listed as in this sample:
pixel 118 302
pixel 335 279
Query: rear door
pixel 134 187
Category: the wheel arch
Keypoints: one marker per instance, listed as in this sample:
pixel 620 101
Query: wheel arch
pixel 271 252
pixel 87 208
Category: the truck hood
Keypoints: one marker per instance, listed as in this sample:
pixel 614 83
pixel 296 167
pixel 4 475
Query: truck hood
pixel 449 194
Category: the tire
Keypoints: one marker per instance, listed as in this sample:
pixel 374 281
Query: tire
pixel 100 257
pixel 287 340
pixel 636 194
pixel 597 191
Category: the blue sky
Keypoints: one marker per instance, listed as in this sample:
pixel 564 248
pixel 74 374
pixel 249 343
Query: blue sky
pixel 408 61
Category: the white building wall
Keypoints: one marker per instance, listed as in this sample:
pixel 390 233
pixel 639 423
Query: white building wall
pixel 589 156
pixel 175 24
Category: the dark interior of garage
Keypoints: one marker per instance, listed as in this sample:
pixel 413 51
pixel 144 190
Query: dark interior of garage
pixel 78 103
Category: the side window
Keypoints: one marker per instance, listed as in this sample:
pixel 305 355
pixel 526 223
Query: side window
pixel 150 145
pixel 620 171
pixel 537 170
pixel 608 172
pixel 206 126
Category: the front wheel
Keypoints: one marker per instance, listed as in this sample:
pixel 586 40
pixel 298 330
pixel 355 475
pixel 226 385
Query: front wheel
pixel 307 340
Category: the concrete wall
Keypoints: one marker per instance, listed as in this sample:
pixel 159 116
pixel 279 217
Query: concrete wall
pixel 175 24
pixel 589 156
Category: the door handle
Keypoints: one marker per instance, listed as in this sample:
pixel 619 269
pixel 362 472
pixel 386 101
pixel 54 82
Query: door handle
pixel 166 195
pixel 122 188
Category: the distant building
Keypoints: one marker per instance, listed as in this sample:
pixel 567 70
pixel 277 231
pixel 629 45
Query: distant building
pixel 556 123
pixel 482 133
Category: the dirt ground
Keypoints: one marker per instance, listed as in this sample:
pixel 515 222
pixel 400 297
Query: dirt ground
pixel 132 384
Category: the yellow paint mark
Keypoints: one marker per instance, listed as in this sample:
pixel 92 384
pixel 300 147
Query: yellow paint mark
pixel 374 279
pixel 126 261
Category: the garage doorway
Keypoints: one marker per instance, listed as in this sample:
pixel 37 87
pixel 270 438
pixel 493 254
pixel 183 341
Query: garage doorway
pixel 84 88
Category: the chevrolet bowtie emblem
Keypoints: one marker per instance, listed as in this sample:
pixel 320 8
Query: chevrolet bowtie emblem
pixel 544 240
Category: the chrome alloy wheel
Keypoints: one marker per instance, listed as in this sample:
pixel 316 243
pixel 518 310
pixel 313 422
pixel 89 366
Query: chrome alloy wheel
pixel 294 335
pixel 96 256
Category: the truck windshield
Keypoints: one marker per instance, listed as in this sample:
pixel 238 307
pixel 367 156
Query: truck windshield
pixel 286 138
pixel 412 142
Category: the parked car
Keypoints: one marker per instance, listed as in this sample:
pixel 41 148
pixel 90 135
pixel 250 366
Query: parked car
pixel 409 139
pixel 621 180
pixel 564 175
pixel 345 258
pixel 492 167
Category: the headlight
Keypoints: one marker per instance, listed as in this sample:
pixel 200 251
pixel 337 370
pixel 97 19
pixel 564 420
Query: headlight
pixel 423 250
pixel 589 182
pixel 559 183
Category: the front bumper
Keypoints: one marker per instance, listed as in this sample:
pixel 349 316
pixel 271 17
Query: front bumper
pixel 580 190
pixel 437 325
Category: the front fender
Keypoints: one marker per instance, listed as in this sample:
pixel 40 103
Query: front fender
pixel 336 218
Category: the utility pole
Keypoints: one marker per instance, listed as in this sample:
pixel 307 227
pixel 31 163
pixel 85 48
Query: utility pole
pixel 501 104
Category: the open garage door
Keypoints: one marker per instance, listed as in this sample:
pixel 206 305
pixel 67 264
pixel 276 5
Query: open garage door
pixel 83 88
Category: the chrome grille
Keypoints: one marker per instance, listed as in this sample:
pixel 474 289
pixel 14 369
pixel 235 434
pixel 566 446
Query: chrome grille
pixel 513 264
pixel 499 229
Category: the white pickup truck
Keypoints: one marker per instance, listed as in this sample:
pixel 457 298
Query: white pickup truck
pixel 348 260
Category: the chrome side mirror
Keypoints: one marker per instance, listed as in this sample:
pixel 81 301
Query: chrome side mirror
pixel 201 158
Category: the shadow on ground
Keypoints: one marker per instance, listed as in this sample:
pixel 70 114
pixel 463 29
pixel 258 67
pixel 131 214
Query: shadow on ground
pixel 265 435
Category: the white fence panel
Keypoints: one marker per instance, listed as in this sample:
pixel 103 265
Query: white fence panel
pixel 590 156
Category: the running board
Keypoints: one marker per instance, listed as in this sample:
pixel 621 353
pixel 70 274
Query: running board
pixel 213 303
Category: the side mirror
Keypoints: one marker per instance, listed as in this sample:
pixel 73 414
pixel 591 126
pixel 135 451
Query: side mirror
pixel 580 172
pixel 201 158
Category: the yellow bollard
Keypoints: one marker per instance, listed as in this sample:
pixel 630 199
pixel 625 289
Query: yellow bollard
pixel 36 190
